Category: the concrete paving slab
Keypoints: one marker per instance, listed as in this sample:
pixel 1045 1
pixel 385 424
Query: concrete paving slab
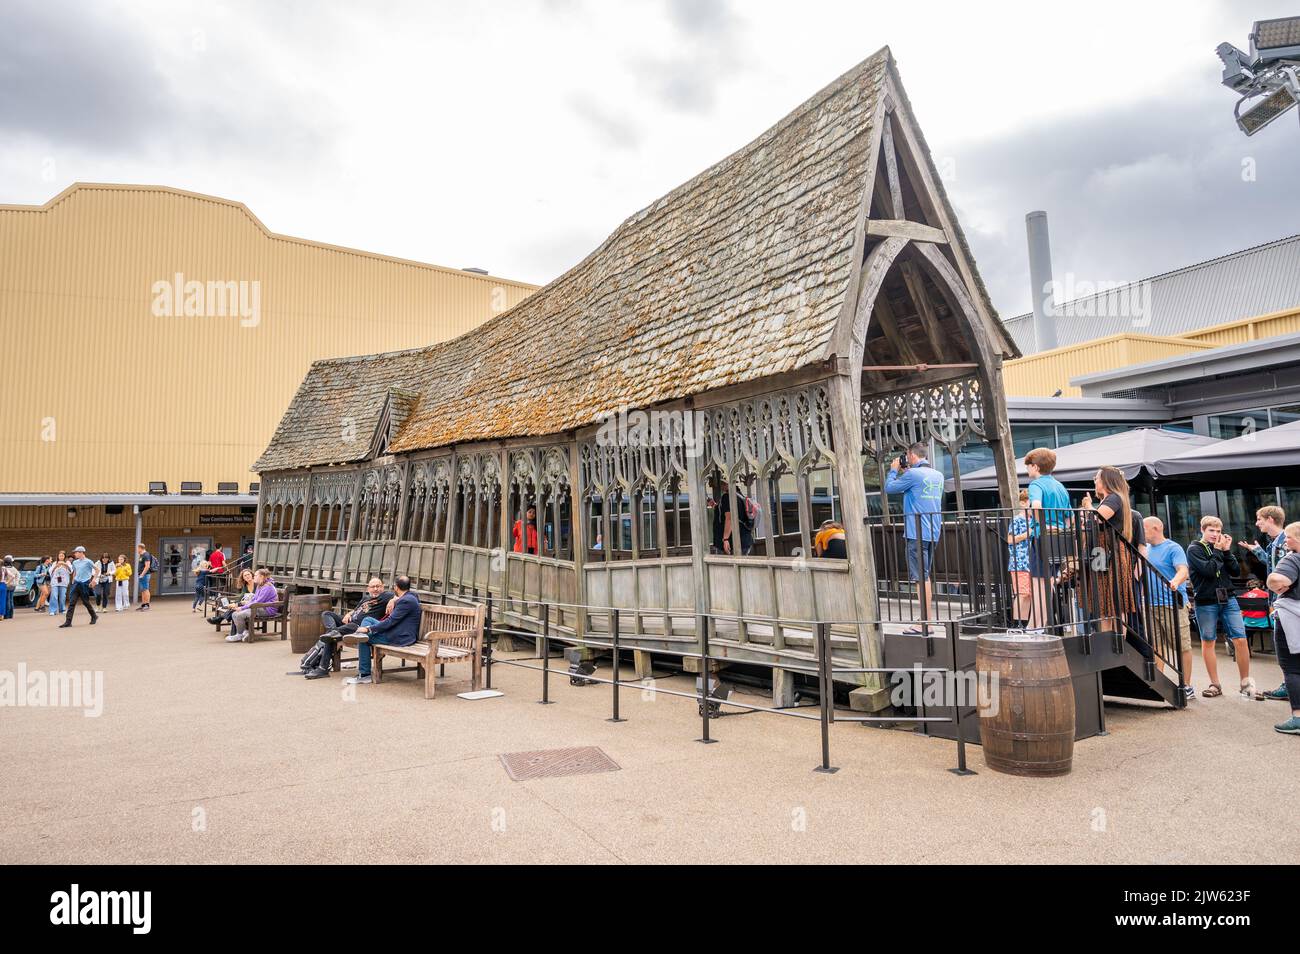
pixel 208 752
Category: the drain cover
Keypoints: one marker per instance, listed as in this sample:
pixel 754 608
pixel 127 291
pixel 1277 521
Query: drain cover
pixel 549 763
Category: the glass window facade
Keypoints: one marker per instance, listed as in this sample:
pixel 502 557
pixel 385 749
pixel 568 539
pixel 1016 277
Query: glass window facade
pixel 1239 423
pixel 1025 437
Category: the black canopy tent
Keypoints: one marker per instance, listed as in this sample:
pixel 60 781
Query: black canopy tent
pixel 1259 456
pixel 1135 452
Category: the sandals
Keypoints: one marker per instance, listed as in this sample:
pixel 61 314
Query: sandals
pixel 1214 690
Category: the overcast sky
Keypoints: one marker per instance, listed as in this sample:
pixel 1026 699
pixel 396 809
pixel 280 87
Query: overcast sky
pixel 515 136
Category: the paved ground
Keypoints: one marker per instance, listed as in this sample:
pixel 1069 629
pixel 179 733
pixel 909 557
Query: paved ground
pixel 208 752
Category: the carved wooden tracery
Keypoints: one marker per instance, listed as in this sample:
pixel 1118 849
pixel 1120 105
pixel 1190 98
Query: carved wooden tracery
pixel 282 497
pixel 948 414
pixel 428 496
pixel 478 496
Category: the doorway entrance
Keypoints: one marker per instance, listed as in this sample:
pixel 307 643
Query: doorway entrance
pixel 175 559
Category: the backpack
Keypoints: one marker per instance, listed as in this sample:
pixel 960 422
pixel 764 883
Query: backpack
pixel 318 657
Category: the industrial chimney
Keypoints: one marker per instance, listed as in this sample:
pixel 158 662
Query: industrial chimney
pixel 1040 281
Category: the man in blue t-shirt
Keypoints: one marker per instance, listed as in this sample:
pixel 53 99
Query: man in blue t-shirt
pixel 922 489
pixel 1168 587
pixel 85 574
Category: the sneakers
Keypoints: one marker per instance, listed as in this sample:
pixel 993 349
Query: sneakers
pixel 64 625
pixel 1189 692
pixel 357 681
pixel 317 673
pixel 234 638
pixel 1279 693
pixel 1248 688
pixel 1290 727
pixel 353 639
pixel 94 620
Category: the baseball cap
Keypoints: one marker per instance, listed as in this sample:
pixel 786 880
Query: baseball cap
pixel 79 550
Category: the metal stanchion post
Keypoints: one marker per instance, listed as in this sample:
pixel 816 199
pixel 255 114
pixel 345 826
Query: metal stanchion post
pixel 824 689
pixel 546 655
pixel 487 644
pixel 954 631
pixel 702 625
pixel 614 685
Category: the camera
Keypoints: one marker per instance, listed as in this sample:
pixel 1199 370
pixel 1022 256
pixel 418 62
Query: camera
pixel 902 462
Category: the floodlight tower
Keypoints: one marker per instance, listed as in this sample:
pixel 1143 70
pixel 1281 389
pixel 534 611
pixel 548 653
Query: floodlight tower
pixel 1267 77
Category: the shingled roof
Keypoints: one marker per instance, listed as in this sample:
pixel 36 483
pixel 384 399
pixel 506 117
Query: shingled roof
pixel 736 275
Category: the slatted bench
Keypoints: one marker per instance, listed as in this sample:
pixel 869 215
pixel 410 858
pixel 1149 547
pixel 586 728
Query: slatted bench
pixel 448 634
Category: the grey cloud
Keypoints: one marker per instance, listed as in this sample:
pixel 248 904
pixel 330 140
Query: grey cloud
pixel 709 50
pixel 612 128
pixel 705 18
pixel 78 79
pixel 82 77
pixel 1129 192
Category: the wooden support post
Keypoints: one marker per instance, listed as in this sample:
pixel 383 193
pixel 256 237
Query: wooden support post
pixel 884 314
pixel 403 489
pixel 846 426
pixel 783 696
pixel 891 168
pixel 578 537
pixel 701 532
pixel 925 312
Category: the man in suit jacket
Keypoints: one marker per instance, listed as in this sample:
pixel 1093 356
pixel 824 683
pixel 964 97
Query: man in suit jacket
pixel 401 627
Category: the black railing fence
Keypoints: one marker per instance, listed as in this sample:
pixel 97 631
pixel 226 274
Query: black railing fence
pixel 1062 571
pixel 621 623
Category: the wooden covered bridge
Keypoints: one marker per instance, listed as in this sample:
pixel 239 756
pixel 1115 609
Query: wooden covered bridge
pixel 794 315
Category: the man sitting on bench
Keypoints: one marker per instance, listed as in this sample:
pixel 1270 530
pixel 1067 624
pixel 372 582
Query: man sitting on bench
pixel 401 627
pixel 374 604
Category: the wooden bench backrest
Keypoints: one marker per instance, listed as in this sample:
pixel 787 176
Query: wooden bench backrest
pixel 435 618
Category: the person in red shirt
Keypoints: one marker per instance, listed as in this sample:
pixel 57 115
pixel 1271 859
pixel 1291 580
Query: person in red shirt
pixel 217 561
pixel 531 519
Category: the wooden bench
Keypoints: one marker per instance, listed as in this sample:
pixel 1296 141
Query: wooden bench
pixel 267 625
pixel 448 634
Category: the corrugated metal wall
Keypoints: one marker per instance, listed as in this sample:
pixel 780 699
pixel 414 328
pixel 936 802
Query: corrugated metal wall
pixel 1254 281
pixel 99 394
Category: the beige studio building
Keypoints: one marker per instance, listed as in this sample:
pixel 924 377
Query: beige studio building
pixel 154 338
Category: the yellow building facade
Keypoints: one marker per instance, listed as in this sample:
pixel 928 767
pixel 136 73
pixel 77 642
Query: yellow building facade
pixel 158 335
pixel 1044 373
pixel 155 336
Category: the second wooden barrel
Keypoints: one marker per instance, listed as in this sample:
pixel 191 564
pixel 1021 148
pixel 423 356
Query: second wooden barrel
pixel 305 626
pixel 1027 714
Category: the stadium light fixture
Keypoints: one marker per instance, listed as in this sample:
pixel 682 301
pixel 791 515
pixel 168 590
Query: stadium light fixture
pixel 1268 77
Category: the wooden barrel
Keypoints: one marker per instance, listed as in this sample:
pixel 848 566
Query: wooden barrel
pixel 1027 715
pixel 305 626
